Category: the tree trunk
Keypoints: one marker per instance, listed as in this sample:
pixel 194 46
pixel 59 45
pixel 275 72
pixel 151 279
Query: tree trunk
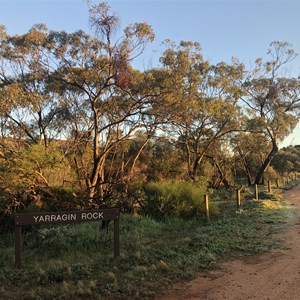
pixel 246 171
pixel 197 162
pixel 93 180
pixel 266 163
pixel 43 132
pixel 222 175
pixel 96 179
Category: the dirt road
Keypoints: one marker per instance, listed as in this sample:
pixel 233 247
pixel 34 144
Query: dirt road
pixel 271 276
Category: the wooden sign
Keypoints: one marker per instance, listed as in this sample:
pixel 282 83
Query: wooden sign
pixel 65 217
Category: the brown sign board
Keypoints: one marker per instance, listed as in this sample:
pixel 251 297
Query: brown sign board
pixel 65 217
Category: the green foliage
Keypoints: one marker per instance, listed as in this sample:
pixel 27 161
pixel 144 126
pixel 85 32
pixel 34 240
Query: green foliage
pixel 76 261
pixel 271 174
pixel 175 198
pixel 35 178
pixel 57 241
pixel 84 88
pixel 44 167
pixel 287 160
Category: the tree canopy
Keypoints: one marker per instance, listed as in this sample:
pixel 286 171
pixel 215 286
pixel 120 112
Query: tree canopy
pixel 80 123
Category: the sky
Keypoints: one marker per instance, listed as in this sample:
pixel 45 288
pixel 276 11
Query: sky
pixel 241 28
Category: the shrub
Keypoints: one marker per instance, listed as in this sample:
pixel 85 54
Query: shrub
pixel 175 198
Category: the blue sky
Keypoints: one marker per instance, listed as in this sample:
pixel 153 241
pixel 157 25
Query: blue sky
pixel 240 28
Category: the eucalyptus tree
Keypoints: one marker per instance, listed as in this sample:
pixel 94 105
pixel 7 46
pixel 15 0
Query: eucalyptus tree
pixel 26 103
pixel 250 150
pixel 28 110
pixel 287 160
pixel 220 157
pixel 78 85
pixel 96 71
pixel 205 100
pixel 272 100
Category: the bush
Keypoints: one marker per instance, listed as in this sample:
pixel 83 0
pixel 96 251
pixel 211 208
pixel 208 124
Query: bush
pixel 35 179
pixel 174 198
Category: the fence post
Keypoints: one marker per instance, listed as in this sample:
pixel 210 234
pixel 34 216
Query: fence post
pixel 238 198
pixel 256 192
pixel 206 209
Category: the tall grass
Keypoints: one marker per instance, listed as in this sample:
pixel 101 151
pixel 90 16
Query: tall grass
pixel 175 198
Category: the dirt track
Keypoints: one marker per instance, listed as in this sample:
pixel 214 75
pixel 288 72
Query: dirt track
pixel 271 276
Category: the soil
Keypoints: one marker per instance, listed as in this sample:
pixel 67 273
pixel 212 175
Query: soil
pixel 271 276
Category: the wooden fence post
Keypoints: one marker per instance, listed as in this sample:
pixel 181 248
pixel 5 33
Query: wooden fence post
pixel 256 192
pixel 206 209
pixel 238 198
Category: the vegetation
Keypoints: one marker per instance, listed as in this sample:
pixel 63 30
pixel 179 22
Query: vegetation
pixel 81 128
pixel 170 198
pixel 287 160
pixel 76 261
